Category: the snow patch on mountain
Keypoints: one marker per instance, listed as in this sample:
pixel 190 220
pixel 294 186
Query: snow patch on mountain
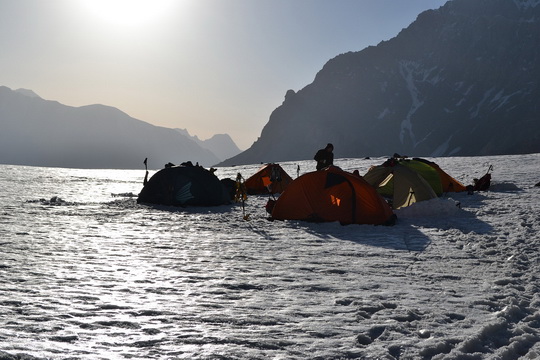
pixel 442 149
pixel 406 69
pixel 502 99
pixel 526 4
pixel 476 110
pixel 383 113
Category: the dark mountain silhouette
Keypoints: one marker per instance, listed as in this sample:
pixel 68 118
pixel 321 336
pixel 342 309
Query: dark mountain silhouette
pixel 39 132
pixel 460 80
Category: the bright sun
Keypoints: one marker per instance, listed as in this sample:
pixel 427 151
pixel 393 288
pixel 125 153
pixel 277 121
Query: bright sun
pixel 128 12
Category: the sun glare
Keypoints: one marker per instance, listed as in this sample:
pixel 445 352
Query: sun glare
pixel 128 12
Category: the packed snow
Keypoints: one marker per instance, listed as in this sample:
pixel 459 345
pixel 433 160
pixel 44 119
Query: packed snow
pixel 86 273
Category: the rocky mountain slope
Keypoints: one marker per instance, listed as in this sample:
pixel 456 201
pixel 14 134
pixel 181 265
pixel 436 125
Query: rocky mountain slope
pixel 460 80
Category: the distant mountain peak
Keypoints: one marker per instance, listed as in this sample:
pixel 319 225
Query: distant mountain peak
pixel 28 93
pixel 220 144
pixel 186 133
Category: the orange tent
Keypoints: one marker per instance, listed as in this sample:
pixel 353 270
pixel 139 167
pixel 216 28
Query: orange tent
pixel 332 195
pixel 269 179
pixel 449 184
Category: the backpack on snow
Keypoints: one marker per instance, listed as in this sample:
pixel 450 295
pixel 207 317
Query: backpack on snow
pixel 484 182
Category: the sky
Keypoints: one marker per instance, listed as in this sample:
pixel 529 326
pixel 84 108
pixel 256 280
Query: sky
pixel 208 66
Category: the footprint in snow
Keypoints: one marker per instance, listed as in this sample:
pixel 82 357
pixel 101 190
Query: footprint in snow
pixel 371 335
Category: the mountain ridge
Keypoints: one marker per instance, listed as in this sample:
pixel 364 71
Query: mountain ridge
pixel 41 132
pixel 460 80
pixel 220 145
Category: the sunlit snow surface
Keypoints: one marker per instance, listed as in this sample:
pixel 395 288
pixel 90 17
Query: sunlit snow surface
pixel 88 275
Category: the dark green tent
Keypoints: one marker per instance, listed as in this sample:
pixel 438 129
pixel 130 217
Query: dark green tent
pixel 184 186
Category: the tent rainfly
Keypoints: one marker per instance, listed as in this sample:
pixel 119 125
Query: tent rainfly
pixel 184 186
pixel 401 184
pixel 269 179
pixel 332 195
pixel 448 183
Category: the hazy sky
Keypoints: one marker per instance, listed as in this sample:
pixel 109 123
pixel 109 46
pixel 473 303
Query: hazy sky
pixel 211 66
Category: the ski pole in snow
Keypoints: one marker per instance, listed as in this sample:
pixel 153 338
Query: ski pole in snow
pixel 145 181
pixel 241 194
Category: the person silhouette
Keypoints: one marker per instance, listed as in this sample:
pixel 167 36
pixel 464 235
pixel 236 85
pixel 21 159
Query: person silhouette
pixel 325 157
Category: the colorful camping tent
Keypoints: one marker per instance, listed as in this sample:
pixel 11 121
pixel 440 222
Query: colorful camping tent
pixel 184 186
pixel 448 183
pixel 402 185
pixel 269 179
pixel 427 172
pixel 332 195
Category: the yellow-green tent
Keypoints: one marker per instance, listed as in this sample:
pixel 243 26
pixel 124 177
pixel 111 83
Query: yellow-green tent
pixel 449 184
pixel 400 184
pixel 427 172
